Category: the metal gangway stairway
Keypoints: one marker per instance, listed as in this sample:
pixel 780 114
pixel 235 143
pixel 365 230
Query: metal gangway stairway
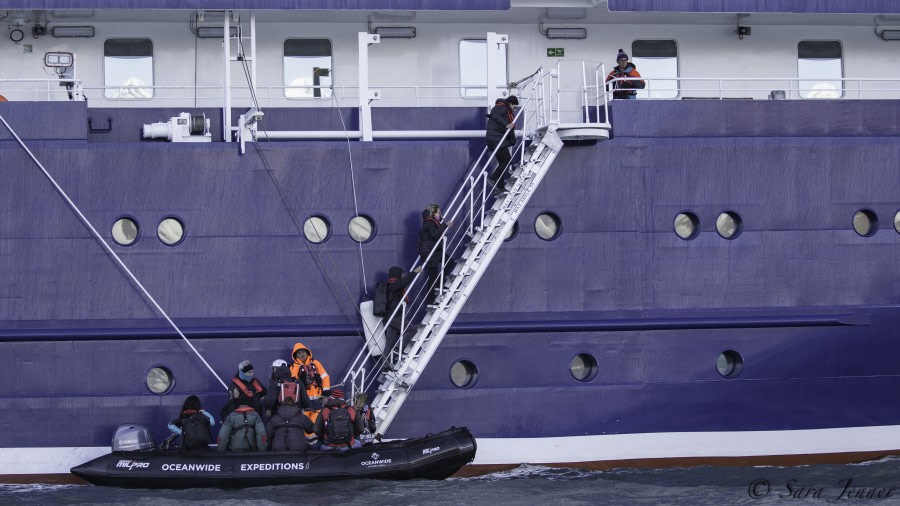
pixel 489 214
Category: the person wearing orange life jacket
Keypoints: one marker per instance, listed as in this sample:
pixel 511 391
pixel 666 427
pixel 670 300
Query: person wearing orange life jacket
pixel 244 390
pixel 624 89
pixel 310 371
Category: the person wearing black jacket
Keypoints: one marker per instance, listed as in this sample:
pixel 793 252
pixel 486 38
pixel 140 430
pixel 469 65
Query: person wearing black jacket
pixel 288 427
pixel 281 373
pixel 193 425
pixel 244 390
pixel 326 423
pixel 432 230
pixel 397 284
pixel 500 120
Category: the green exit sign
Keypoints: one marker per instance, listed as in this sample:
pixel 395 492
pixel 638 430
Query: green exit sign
pixel 556 52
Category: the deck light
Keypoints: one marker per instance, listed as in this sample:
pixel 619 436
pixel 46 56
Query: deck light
pixel 890 34
pixel 215 32
pixel 72 31
pixel 566 33
pixel 57 59
pixel 396 32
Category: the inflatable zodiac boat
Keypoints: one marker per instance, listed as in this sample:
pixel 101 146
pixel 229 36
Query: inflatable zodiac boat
pixel 435 457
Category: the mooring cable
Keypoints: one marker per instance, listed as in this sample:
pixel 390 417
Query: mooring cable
pixel 109 249
pixel 315 257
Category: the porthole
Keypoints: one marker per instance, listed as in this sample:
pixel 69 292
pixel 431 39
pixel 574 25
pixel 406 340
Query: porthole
pixel 865 222
pixel 583 367
pixel 729 224
pixel 316 229
pixel 513 232
pixel 687 225
pixel 170 231
pixel 361 228
pixel 125 231
pixel 730 364
pixel 547 226
pixel 160 380
pixel 897 222
pixel 463 374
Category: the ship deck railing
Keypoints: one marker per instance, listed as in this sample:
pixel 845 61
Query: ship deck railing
pixel 765 88
pixel 447 95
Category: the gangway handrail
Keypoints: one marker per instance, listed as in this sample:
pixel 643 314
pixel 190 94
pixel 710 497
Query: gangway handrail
pixel 462 206
pixel 456 205
pixel 365 353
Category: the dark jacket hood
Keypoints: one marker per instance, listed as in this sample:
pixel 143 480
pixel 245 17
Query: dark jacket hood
pixel 395 272
pixel 288 412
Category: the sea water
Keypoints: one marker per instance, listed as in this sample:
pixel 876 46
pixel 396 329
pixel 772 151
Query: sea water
pixel 876 482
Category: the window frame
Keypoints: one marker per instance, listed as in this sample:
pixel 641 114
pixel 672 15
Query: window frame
pixel 463 87
pixel 284 69
pixel 677 71
pixel 152 86
pixel 840 79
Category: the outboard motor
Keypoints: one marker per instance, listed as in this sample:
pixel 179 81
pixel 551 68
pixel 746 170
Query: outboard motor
pixel 131 437
pixel 182 128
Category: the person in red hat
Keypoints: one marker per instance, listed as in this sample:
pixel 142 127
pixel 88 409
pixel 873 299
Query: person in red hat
pixel 338 425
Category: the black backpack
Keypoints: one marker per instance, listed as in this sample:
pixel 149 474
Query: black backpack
pixel 195 431
pixel 380 301
pixel 339 429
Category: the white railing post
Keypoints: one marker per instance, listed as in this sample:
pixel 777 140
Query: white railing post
pixel 471 226
pixel 585 106
pixel 605 96
pixel 226 54
pixel 494 41
pixel 253 89
pixel 365 107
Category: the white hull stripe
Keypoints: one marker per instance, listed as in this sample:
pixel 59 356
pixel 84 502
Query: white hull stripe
pixel 686 444
pixel 572 449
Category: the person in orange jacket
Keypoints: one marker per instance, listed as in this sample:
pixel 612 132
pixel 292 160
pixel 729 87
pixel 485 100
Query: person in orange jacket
pixel 310 371
pixel 624 89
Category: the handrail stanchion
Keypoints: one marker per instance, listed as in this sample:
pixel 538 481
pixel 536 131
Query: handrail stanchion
pixel 584 95
pixel 484 190
pixel 399 343
pixel 440 278
pixel 472 205
pixel 605 97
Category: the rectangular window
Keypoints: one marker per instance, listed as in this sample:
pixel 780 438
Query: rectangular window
pixel 473 67
pixel 128 68
pixel 307 66
pixel 658 60
pixel 820 69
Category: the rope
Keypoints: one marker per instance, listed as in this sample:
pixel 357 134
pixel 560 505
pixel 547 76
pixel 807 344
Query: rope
pixel 110 250
pixel 362 262
pixel 293 217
